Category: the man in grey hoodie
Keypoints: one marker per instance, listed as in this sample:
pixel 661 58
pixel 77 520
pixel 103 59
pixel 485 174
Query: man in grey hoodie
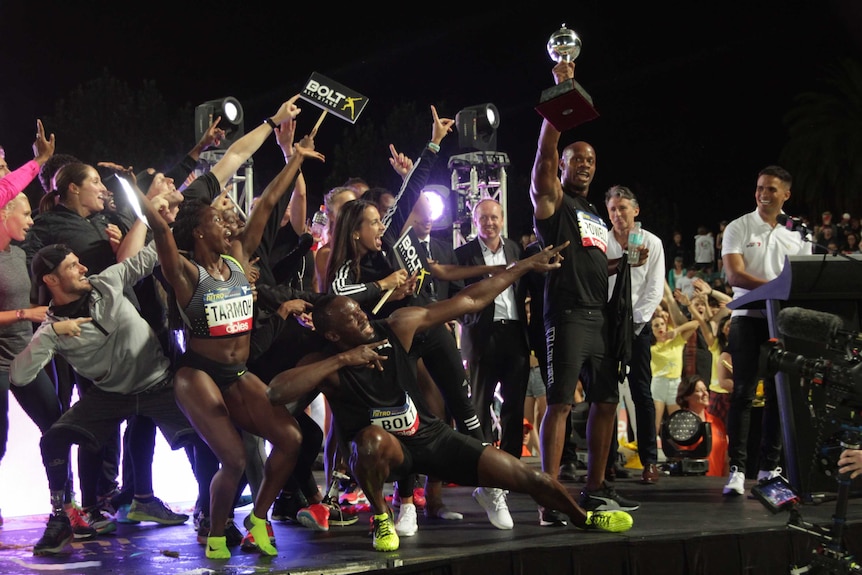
pixel 101 334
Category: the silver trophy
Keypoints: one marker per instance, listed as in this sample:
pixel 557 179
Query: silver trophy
pixel 567 104
pixel 564 45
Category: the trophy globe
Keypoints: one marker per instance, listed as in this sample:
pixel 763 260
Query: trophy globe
pixel 564 45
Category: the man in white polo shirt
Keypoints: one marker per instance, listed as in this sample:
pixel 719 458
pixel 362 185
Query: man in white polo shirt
pixel 753 252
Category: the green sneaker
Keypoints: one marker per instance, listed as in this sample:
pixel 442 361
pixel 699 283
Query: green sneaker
pixel 385 537
pixel 217 548
pixel 258 529
pixel 610 521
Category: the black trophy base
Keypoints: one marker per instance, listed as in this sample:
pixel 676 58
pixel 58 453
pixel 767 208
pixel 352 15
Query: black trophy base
pixel 566 105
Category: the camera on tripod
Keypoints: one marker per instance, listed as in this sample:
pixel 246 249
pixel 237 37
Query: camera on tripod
pixel 832 385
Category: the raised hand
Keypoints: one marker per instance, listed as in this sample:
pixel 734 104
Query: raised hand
pixel 70 326
pixel 115 236
pixel 546 260
pixel 563 71
pixel 284 135
pixel 222 201
pixel 366 355
pixel 401 163
pixel 288 109
pixel 43 148
pixel 294 307
pixel 441 126
pixel 213 135
pixel 305 148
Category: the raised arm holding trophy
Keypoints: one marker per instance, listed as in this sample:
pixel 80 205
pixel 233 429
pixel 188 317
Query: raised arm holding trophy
pixel 567 104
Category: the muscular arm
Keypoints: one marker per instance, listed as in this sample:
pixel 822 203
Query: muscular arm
pixel 546 191
pixel 405 322
pixel 310 372
pixel 241 150
pixel 734 269
pixel 178 271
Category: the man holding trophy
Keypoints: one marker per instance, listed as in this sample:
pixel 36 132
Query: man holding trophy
pixel 575 326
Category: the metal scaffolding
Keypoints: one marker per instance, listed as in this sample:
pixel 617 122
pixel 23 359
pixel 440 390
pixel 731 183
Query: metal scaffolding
pixel 475 177
pixel 241 184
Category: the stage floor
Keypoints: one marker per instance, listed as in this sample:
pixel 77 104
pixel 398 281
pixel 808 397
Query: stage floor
pixel 684 526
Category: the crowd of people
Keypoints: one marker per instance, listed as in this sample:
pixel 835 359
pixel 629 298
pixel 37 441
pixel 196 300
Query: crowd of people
pixel 273 312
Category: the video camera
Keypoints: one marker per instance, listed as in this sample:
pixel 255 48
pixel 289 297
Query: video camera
pixel 840 374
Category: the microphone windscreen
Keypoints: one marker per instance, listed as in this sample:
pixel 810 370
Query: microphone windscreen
pixel 305 242
pixel 782 219
pixel 809 325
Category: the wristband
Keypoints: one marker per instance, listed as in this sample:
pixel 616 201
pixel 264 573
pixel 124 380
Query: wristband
pixel 433 147
pixel 269 121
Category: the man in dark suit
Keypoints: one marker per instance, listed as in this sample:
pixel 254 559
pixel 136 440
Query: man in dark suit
pixel 494 341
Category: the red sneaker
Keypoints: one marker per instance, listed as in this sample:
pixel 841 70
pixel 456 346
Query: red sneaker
pixel 315 517
pixel 419 497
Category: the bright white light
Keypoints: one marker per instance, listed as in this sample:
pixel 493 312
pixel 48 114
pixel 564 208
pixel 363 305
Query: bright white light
pixel 438 206
pixel 492 115
pixel 132 198
pixel 231 111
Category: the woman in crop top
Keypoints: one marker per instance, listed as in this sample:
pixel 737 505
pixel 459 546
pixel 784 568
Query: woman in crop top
pixel 212 384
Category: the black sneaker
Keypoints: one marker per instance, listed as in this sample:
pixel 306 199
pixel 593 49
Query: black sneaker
pixel 568 471
pixel 58 534
pixel 552 518
pixel 339 515
pixel 606 498
pixel 203 527
pixel 287 505
pixel 232 534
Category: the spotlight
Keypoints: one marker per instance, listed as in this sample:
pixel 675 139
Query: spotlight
pixel 441 214
pixel 230 111
pixel 688 440
pixel 477 127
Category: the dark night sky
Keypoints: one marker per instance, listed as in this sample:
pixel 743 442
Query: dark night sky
pixel 691 98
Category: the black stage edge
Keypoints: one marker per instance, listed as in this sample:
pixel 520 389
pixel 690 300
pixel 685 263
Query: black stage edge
pixel 684 526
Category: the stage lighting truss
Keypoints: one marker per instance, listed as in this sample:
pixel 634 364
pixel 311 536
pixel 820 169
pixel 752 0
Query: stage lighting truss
pixel 229 109
pixel 476 176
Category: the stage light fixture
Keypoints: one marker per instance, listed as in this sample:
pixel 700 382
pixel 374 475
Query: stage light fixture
pixel 230 111
pixel 687 441
pixel 441 210
pixel 477 127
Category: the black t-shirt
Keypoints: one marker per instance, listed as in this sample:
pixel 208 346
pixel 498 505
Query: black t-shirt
pixel 582 281
pixel 390 397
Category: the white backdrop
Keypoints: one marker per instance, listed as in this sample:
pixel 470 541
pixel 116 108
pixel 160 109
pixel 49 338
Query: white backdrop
pixel 24 487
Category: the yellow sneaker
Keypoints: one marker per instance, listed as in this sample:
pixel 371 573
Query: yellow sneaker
pixel 385 537
pixel 257 528
pixel 610 521
pixel 217 548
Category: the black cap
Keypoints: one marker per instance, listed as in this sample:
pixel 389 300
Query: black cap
pixel 145 179
pixel 44 262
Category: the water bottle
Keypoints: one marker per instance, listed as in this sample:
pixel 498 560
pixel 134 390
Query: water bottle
pixel 636 242
pixel 319 223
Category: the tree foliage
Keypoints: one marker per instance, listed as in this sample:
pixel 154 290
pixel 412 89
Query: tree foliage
pixel 106 119
pixel 825 142
pixel 363 149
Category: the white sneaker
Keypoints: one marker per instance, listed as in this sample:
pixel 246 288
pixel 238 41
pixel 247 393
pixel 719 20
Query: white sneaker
pixel 767 475
pixel 493 501
pixel 405 525
pixel 735 483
